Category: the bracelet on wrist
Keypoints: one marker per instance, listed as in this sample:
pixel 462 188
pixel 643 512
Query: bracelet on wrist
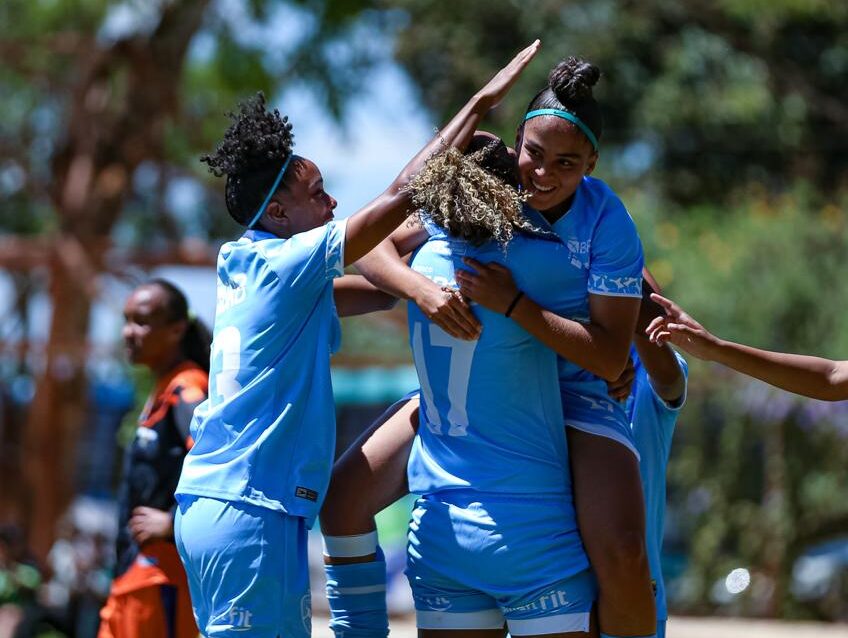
pixel 514 303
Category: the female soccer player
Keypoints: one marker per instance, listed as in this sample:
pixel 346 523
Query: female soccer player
pixel 808 376
pixel 490 457
pixel 557 150
pixel 264 441
pixel 149 596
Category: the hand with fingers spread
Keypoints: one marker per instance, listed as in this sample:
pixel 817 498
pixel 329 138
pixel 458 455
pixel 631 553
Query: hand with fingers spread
pixel 446 308
pixel 620 388
pixel 502 82
pixel 491 286
pixel 680 329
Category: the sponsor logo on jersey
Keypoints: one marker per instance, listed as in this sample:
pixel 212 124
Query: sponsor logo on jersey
pixel 436 603
pixel 305 492
pixel 555 599
pixel 231 294
pixel 239 619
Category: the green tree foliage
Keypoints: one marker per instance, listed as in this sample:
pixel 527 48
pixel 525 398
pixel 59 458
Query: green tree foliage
pixel 756 475
pixel 700 97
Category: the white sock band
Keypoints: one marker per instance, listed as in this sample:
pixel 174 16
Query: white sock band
pixel 350 546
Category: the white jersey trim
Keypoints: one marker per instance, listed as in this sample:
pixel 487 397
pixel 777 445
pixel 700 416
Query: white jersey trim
pixel 559 624
pixel 484 619
pixel 604 431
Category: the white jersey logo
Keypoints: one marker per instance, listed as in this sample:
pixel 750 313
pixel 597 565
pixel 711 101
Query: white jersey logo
pixel 232 294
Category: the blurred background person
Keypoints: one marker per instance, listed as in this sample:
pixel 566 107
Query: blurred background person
pixel 149 596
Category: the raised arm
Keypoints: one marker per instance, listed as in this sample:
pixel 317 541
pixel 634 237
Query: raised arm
pixel 601 346
pixel 812 377
pixel 376 220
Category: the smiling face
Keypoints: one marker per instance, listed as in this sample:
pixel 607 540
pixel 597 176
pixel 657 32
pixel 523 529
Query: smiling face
pixel 303 204
pixel 553 157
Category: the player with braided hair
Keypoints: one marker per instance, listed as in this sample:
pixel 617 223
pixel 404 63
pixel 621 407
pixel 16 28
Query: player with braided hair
pixel 256 476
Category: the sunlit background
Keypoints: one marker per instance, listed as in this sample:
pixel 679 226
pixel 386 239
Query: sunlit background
pixel 726 134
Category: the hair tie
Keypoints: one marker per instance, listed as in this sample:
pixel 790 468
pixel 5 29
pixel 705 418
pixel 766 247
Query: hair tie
pixel 571 118
pixel 271 192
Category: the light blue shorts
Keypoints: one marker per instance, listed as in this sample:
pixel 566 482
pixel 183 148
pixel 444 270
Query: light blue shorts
pixel 247 568
pixel 474 565
pixel 590 411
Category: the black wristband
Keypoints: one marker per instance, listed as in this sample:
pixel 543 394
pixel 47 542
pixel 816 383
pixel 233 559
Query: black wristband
pixel 513 304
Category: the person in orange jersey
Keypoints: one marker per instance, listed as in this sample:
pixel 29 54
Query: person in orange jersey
pixel 149 596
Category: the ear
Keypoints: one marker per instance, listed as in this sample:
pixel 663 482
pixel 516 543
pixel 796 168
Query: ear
pixel 593 161
pixel 276 212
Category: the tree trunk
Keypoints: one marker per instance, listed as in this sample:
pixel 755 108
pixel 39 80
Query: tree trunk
pixel 124 97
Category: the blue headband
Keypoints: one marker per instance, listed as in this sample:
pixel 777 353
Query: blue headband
pixel 571 118
pixel 271 192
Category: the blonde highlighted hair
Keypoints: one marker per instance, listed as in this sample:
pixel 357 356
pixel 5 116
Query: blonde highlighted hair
pixel 469 195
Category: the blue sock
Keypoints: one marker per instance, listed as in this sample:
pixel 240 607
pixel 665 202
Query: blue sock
pixel 357 597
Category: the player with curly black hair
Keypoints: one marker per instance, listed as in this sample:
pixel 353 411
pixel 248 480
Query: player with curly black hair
pixel 255 478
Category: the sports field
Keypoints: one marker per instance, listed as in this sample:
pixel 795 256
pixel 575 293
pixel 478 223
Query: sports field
pixel 678 627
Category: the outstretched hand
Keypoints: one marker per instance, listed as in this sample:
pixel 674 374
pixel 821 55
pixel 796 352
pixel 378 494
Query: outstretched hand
pixel 497 88
pixel 680 329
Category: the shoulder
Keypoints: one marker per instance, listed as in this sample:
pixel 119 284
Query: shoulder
pixel 603 203
pixel 190 383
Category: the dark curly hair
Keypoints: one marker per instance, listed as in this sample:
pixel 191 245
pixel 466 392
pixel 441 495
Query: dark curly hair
pixel 570 89
pixel 252 153
pixel 472 195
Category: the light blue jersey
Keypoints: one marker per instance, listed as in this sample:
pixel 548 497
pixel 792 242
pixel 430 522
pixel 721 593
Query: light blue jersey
pixel 266 435
pixel 604 258
pixel 653 421
pixel 491 461
pixel 491 416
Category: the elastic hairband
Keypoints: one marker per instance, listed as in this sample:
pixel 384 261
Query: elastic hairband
pixel 271 192
pixel 567 116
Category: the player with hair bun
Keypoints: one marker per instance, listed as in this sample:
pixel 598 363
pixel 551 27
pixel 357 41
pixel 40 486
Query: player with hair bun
pixel 591 330
pixel 264 440
pixel 558 146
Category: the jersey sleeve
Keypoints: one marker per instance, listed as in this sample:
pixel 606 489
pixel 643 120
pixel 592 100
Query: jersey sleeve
pixel 671 409
pixel 309 260
pixel 187 397
pixel 433 229
pixel 615 268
